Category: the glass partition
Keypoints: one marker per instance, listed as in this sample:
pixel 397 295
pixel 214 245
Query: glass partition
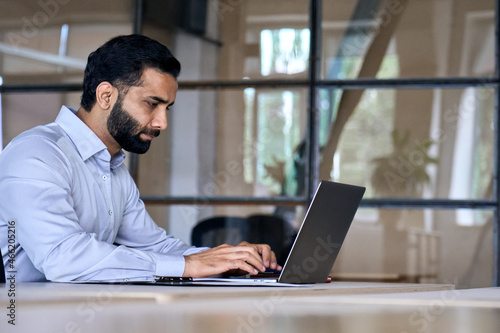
pixel 234 142
pixel 23 111
pixel 418 38
pixel 424 246
pixel 240 131
pixel 409 143
pixel 264 40
pixel 49 41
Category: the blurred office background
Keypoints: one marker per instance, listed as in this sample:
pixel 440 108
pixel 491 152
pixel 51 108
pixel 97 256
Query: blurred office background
pixel 398 96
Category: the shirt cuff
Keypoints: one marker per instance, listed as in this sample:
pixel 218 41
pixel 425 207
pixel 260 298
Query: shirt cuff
pixel 169 265
pixel 173 265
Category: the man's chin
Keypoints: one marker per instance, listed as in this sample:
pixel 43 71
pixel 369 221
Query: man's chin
pixel 140 152
pixel 139 149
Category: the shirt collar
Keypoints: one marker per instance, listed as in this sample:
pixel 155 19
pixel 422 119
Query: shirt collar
pixel 85 140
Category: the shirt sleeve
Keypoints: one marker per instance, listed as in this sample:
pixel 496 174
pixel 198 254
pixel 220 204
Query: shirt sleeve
pixel 37 194
pixel 139 231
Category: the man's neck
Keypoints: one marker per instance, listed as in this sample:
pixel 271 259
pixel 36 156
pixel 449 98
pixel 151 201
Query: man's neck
pixel 96 121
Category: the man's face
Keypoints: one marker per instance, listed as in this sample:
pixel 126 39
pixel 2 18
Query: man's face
pixel 127 131
pixel 138 116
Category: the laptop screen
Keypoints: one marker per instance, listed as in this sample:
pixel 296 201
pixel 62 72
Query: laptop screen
pixel 322 233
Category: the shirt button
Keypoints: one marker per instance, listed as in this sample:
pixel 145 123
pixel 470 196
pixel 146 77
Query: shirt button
pixel 104 177
pixel 110 212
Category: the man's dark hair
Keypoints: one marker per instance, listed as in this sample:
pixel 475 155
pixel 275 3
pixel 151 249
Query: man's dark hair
pixel 121 62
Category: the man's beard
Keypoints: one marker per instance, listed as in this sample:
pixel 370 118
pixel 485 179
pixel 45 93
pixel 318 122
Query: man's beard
pixel 126 130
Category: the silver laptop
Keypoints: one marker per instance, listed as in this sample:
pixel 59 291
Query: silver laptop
pixel 316 246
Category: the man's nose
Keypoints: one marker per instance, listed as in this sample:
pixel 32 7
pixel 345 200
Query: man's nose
pixel 160 120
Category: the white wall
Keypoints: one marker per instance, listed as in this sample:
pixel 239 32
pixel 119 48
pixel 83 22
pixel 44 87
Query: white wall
pixel 193 134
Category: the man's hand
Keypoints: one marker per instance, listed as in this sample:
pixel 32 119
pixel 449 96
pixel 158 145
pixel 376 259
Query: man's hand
pixel 246 257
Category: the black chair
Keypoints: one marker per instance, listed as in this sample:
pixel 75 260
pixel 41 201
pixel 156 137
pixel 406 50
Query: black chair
pixel 260 229
pixel 2 269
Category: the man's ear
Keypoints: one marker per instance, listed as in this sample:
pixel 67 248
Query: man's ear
pixel 105 95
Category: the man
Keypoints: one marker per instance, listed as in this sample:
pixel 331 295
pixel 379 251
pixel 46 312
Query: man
pixel 69 201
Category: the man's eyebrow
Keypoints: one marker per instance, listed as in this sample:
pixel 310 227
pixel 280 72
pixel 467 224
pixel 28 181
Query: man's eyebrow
pixel 159 99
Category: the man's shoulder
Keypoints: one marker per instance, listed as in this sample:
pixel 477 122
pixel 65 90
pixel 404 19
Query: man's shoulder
pixel 41 141
pixel 50 132
pixel 44 137
pixel 39 153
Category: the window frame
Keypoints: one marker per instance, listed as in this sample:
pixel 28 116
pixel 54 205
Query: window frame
pixel 312 84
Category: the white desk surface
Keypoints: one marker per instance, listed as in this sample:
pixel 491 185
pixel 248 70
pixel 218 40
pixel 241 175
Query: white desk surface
pixel 34 291
pixel 336 307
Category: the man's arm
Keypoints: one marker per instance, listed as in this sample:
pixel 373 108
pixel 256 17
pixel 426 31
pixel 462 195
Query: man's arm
pixel 139 231
pixel 37 193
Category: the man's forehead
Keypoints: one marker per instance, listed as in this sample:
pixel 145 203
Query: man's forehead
pixel 157 85
pixel 149 74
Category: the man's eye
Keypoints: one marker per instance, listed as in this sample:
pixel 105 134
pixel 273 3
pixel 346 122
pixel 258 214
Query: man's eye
pixel 152 104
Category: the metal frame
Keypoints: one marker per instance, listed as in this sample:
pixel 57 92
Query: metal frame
pixel 404 83
pixel 496 184
pixel 312 83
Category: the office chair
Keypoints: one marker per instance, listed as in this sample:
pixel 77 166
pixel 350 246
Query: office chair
pixel 2 269
pixel 219 230
pixel 260 229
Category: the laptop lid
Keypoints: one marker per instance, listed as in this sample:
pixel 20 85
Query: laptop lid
pixel 322 233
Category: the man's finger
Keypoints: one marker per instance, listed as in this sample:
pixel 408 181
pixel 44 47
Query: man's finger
pixel 251 256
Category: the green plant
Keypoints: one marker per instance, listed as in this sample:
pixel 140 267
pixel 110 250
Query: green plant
pixel 403 172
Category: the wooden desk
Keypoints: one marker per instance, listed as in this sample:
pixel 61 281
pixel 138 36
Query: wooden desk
pixel 341 306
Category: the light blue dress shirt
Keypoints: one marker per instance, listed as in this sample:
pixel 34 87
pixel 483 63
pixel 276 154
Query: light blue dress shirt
pixel 75 211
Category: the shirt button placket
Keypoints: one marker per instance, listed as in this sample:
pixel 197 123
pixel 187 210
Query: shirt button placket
pixel 108 229
pixel 110 211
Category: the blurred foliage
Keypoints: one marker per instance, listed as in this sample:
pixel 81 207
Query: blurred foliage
pixel 403 172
